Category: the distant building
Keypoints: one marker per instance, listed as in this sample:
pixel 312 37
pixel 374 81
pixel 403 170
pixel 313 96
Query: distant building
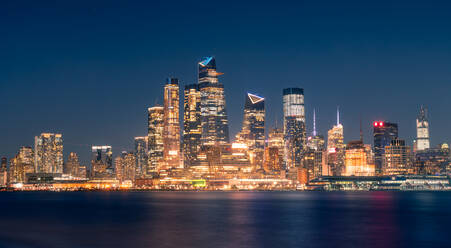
pixel 21 165
pixel 102 162
pixel 141 156
pixel 3 172
pixel 433 161
pixel 48 153
pixel 125 167
pixel 171 133
pixel 422 141
pixel 215 128
pixel 356 160
pixel 274 151
pixel 335 149
pixel 383 133
pixel 72 165
pixel 294 126
pixel 253 130
pixel 155 139
pixel 192 131
pixel 397 158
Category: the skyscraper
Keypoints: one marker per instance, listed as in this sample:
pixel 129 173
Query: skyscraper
pixel 4 171
pixel 274 151
pixel 192 129
pixel 397 158
pixel 356 160
pixel 335 149
pixel 171 133
pixel 155 139
pixel 422 141
pixel 141 156
pixel 384 133
pixel 293 126
pixel 253 130
pixel 102 162
pixel 215 128
pixel 48 153
pixel 21 165
pixel 72 165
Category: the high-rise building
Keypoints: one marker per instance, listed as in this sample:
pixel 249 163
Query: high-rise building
pixel 315 142
pixel 215 128
pixel 335 149
pixel 192 129
pixel 125 167
pixel 171 133
pixel 433 161
pixel 4 172
pixel 253 130
pixel 141 156
pixel 422 141
pixel 293 126
pixel 48 153
pixel 356 160
pixel 155 139
pixel 102 162
pixel 383 133
pixel 21 165
pixel 72 165
pixel 274 151
pixel 397 158
pixel 315 155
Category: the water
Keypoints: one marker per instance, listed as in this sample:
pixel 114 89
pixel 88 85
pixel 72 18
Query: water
pixel 218 219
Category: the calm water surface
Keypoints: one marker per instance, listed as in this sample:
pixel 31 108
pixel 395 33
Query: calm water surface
pixel 218 219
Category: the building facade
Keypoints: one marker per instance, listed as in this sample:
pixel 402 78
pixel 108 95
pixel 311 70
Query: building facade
pixel 72 165
pixel 171 133
pixel 48 153
pixel 383 133
pixel 293 126
pixel 192 128
pixel 102 162
pixel 397 158
pixel 155 139
pixel 141 156
pixel 422 141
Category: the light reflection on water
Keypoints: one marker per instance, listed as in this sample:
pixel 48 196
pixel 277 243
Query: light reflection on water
pixel 219 219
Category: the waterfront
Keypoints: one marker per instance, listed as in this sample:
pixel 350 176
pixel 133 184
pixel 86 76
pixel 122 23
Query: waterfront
pixel 225 219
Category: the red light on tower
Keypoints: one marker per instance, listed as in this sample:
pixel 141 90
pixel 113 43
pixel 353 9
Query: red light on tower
pixel 375 123
pixel 381 123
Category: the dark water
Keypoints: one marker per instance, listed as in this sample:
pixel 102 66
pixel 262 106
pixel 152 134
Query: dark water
pixel 235 219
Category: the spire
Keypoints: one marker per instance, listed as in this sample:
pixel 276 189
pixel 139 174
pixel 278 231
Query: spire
pixel 361 133
pixel 314 122
pixel 338 115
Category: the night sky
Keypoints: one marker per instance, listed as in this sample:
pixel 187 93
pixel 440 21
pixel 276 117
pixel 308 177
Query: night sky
pixel 90 69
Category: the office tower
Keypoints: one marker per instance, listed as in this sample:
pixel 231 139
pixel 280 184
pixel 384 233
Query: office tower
pixel 192 131
pixel 293 126
pixel 171 133
pixel 72 165
pixel 383 133
pixel 335 149
pixel 274 151
pixel 433 161
pixel 21 165
pixel 48 153
pixel 4 172
pixel 356 160
pixel 155 139
pixel 422 141
pixel 215 129
pixel 125 167
pixel 141 156
pixel 397 158
pixel 253 130
pixel 102 162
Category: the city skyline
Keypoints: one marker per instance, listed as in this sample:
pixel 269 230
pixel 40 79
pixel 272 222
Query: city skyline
pixel 105 76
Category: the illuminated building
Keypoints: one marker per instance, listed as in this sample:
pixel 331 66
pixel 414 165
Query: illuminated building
pixel 422 141
pixel 48 153
pixel 397 158
pixel 191 124
pixel 315 142
pixel 253 129
pixel 274 151
pixel 215 129
pixel 335 149
pixel 433 161
pixel 72 165
pixel 356 160
pixel 21 165
pixel 171 127
pixel 4 171
pixel 315 156
pixel 293 126
pixel 141 156
pixel 155 139
pixel 384 133
pixel 102 162
pixel 125 167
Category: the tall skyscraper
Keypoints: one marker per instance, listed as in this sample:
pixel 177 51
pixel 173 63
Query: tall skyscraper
pixel 102 162
pixel 383 133
pixel 397 158
pixel 335 149
pixel 141 156
pixel 155 139
pixel 192 129
pixel 72 165
pixel 422 141
pixel 215 128
pixel 253 130
pixel 4 171
pixel 294 126
pixel 21 165
pixel 171 133
pixel 48 153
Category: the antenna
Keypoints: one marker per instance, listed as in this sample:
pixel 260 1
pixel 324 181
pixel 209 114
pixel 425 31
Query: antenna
pixel 338 115
pixel 361 133
pixel 314 122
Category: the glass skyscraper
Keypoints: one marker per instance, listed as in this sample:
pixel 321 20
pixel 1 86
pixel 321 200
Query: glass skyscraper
pixel 191 124
pixel 155 124
pixel 215 129
pixel 384 133
pixel 48 153
pixel 171 133
pixel 141 156
pixel 293 126
pixel 102 162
